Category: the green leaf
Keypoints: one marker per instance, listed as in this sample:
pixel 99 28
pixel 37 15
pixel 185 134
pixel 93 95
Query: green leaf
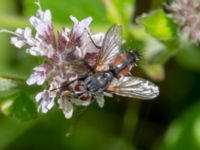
pixel 184 132
pixel 159 25
pixel 10 84
pixel 6 84
pixel 120 12
pixel 21 107
pixel 7 7
pixel 62 9
pixel 155 71
pixel 7 88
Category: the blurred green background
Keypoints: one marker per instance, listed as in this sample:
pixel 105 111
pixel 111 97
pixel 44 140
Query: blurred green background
pixel 169 122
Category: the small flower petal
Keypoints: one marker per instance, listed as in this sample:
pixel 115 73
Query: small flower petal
pixel 39 76
pixel 27 33
pixel 46 100
pixel 68 111
pixel 80 102
pixel 19 31
pixel 74 19
pixel 100 101
pixel 66 106
pixel 36 78
pixel 18 43
pixel 79 27
pixel 47 17
pixel 38 25
pixel 39 96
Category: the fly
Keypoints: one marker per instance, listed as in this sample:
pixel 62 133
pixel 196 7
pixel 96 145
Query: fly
pixel 110 73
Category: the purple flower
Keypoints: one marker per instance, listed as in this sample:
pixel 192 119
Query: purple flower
pixel 63 57
pixel 186 14
pixel 46 99
pixel 39 76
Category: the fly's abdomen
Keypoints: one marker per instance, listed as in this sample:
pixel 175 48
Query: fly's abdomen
pixel 123 64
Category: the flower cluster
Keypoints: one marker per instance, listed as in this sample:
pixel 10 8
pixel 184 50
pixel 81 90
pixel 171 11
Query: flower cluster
pixel 64 55
pixel 187 14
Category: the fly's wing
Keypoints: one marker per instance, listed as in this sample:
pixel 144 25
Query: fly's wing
pixel 134 87
pixel 110 48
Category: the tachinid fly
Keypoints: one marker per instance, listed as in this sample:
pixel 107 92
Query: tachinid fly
pixel 110 73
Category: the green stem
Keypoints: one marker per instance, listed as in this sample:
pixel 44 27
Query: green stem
pixel 13 77
pixel 130 120
pixel 12 22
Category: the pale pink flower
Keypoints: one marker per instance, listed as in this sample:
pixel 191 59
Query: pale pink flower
pixel 186 14
pixel 39 76
pixel 63 53
pixel 46 99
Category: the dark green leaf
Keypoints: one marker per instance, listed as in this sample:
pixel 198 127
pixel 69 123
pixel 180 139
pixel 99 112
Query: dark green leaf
pixel 11 129
pixel 184 133
pixel 21 107
pixel 188 57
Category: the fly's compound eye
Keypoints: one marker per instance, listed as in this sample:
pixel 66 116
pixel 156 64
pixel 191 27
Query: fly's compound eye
pixel 84 97
pixel 108 76
pixel 79 87
pixel 132 56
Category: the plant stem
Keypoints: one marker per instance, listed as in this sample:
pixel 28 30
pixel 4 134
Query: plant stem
pixel 141 6
pixel 130 120
pixel 12 77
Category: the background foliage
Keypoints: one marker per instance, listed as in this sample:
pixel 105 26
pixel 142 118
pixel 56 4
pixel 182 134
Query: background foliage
pixel 171 121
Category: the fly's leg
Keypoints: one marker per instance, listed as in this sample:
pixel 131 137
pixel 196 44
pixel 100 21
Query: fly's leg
pixel 97 46
pixel 66 83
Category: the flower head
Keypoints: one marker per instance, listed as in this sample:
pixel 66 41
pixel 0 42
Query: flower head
pixel 187 14
pixel 64 55
pixel 79 66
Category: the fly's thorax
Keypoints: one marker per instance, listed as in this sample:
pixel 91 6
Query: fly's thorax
pixel 98 81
